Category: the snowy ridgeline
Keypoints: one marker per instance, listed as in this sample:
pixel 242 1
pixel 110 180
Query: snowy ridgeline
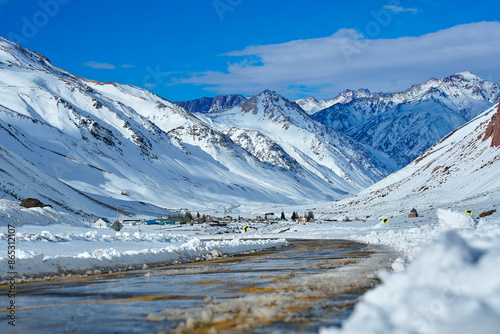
pixel 451 285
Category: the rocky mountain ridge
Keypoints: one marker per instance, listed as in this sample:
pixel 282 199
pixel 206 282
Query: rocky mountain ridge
pixel 211 104
pixel 405 124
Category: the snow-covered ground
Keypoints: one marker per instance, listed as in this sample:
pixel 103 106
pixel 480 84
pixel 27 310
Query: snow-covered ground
pixel 446 279
pixel 451 284
pixel 50 243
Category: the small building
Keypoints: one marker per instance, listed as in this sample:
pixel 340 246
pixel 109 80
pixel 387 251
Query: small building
pixel 101 223
pixel 132 222
pixel 117 226
pixel 413 213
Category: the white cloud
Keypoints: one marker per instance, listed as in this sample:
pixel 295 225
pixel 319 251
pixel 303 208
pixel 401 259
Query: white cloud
pixel 99 66
pixel 399 9
pixel 325 66
pixel 128 66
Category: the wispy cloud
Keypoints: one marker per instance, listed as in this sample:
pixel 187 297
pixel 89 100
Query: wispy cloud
pixel 127 66
pixel 325 66
pixel 399 9
pixel 99 66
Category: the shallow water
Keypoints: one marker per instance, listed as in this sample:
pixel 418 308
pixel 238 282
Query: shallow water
pixel 297 288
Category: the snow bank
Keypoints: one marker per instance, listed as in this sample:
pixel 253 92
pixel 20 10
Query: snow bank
pixel 449 219
pixel 47 242
pixel 34 264
pixel 451 286
pixel 49 253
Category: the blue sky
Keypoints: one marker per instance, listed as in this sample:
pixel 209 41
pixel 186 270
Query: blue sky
pixel 187 49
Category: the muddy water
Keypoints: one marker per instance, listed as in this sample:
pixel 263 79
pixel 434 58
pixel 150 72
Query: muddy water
pixel 297 288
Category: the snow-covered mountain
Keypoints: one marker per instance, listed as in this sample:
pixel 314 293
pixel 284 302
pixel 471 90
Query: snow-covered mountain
pixel 312 105
pixel 113 144
pixel 405 124
pixel 280 133
pixel 461 169
pixel 211 104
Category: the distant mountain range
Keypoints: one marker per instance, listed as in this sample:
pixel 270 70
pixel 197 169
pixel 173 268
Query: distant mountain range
pixel 461 169
pixel 401 125
pixel 87 147
pixel 405 124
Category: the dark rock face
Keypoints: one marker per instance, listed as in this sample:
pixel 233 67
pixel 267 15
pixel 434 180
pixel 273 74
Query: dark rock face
pixel 32 203
pixel 211 104
pixel 493 129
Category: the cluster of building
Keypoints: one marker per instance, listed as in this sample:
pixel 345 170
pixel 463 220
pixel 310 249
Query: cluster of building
pixel 180 220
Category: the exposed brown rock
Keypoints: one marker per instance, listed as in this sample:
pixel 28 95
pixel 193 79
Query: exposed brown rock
pixel 493 129
pixel 487 213
pixel 31 203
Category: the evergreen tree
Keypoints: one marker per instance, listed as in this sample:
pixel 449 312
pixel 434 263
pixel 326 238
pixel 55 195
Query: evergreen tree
pixel 310 216
pixel 294 216
pixel 203 218
pixel 283 216
pixel 197 214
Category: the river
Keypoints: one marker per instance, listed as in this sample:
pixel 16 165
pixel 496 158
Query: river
pixel 296 288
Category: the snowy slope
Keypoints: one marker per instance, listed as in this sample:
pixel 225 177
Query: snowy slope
pixel 461 169
pixel 121 145
pixel 405 124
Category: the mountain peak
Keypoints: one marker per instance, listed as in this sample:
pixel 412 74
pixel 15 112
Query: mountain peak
pixel 268 92
pixel 212 104
pixel 467 75
pixel 352 94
